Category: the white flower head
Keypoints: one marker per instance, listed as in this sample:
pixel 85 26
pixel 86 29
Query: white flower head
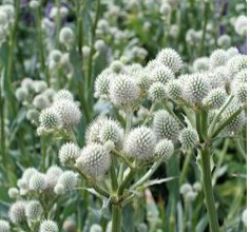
pixel 123 91
pixel 170 58
pixel 94 160
pixel 140 143
pixel 48 226
pixel 165 126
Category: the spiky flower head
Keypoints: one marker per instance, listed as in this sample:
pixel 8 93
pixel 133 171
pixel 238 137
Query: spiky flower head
pixel 69 225
pixel 117 66
pixel 52 176
pixel 33 210
pixel 48 226
pixel 201 64
pixel 169 57
pixel 165 126
pixel 218 57
pixel 185 188
pixel 40 86
pixel 140 143
pixel 197 87
pixel 93 132
pixel 232 51
pixel 17 212
pixel 174 89
pixel 241 92
pixel 68 111
pixel 236 64
pixel 111 131
pixel 188 138
pixel 94 160
pixel 241 76
pixel 162 74
pixel 215 98
pixel 95 228
pixel 50 119
pixel 4 226
pixel 68 153
pixel 123 91
pixel 37 182
pixel 55 56
pixel 41 101
pixel 33 115
pixel 63 94
pixel 66 36
pixel 102 83
pixel 157 92
pixel 219 77
pixel 240 25
pixel 224 41
pixel 68 180
pixel 238 122
pixel 100 45
pixel 164 148
pixel 21 94
pixel 13 193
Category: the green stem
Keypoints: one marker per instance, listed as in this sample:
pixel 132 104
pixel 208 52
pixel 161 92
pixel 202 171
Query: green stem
pixel 185 167
pixel 116 217
pixel 216 118
pixel 41 45
pixel 90 80
pixel 3 145
pixel 206 13
pixel 208 190
pixel 125 182
pixel 147 175
pixel 58 22
pixel 113 175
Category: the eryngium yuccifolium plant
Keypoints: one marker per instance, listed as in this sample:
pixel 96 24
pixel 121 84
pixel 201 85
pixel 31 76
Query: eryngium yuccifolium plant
pixel 99 120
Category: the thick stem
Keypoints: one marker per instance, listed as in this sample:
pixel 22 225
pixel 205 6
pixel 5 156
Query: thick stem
pixel 116 217
pixel 208 190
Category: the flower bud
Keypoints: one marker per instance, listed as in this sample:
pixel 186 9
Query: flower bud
pixel 33 210
pixel 17 212
pixel 157 92
pixel 123 91
pixel 165 126
pixel 170 58
pixel 48 226
pixel 66 36
pixel 164 148
pixel 188 138
pixel 68 153
pixel 140 143
pixel 94 160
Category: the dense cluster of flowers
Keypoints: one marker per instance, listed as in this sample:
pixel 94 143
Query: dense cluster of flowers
pixel 116 111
